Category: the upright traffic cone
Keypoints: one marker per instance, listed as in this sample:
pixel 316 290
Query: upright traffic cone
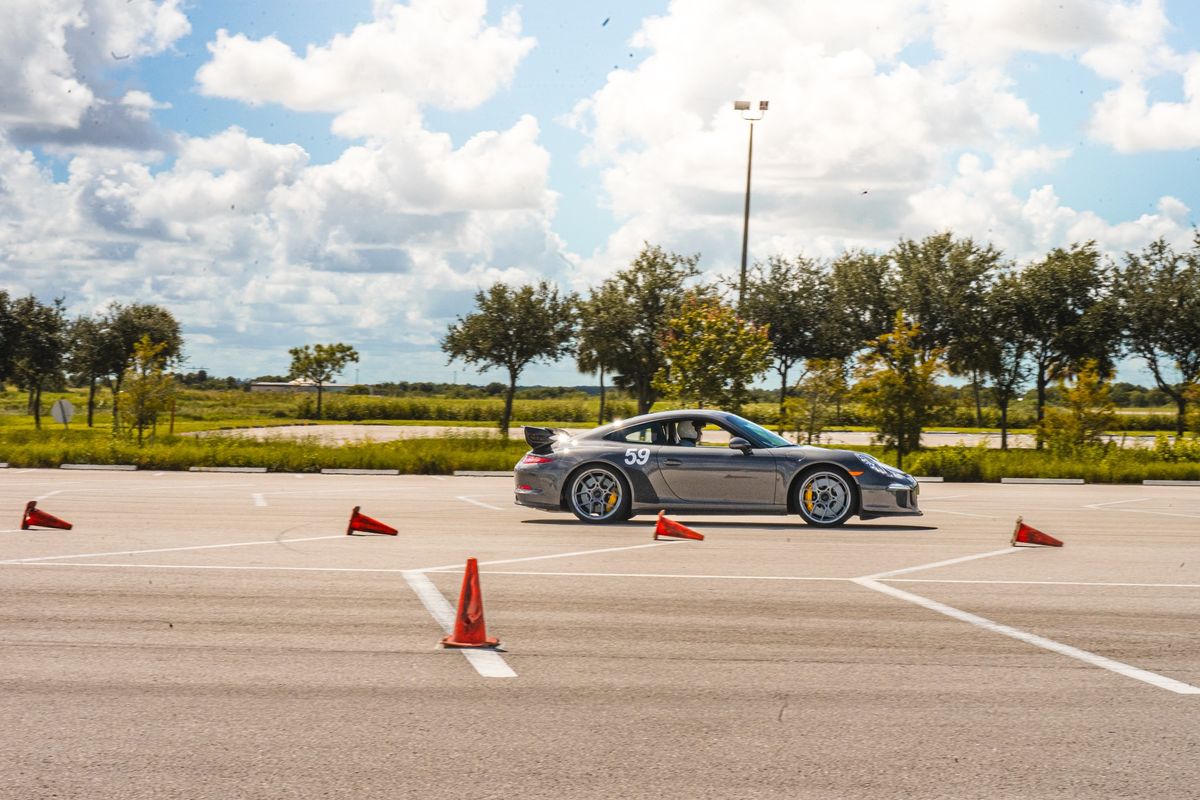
pixel 361 522
pixel 671 528
pixel 469 629
pixel 1025 534
pixel 40 518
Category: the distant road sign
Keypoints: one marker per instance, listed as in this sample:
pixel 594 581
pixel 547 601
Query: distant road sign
pixel 62 411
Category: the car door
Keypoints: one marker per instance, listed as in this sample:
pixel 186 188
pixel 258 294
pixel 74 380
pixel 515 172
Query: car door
pixel 713 475
pixel 638 453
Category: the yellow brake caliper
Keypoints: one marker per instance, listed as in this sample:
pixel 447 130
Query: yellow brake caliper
pixel 610 502
pixel 808 497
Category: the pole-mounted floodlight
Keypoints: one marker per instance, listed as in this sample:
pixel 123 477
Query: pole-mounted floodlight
pixel 751 115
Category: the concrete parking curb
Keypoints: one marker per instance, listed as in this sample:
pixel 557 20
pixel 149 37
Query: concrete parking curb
pixel 4 465
pixel 120 467
pixel 1170 483
pixel 482 473
pixel 1072 481
pixel 937 479
pixel 360 472
pixel 227 469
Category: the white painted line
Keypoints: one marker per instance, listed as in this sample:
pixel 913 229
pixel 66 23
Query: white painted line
pixel 478 503
pixel 357 490
pixel 1159 513
pixel 438 477
pixel 259 500
pixel 169 549
pixel 1043 480
pixel 159 474
pixel 217 567
pixel 1152 678
pixel 946 563
pixel 656 575
pixel 1050 583
pixel 448 567
pixel 49 494
pixel 13 530
pixel 487 663
pixel 925 507
pixel 1101 506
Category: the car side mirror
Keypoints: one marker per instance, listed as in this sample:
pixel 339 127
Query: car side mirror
pixel 738 443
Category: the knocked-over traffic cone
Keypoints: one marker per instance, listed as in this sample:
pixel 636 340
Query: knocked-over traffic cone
pixel 365 524
pixel 1025 534
pixel 40 518
pixel 469 629
pixel 671 528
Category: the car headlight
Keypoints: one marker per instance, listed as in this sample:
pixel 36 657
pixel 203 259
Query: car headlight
pixel 875 465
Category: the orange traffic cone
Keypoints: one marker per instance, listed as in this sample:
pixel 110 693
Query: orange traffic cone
pixel 1025 534
pixel 361 522
pixel 671 528
pixel 469 629
pixel 41 518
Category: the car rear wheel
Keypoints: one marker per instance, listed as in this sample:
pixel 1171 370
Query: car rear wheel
pixel 598 494
pixel 824 497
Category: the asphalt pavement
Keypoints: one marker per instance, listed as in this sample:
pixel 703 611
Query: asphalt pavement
pixel 220 636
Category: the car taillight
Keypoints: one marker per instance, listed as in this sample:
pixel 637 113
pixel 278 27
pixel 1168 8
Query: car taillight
pixel 532 459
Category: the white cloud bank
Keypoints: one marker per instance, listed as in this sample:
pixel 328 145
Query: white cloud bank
pixel 886 120
pixel 896 122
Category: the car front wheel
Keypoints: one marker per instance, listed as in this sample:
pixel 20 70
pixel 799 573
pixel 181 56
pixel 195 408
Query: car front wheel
pixel 598 494
pixel 824 497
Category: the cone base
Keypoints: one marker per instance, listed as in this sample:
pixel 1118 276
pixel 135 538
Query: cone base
pixel 488 642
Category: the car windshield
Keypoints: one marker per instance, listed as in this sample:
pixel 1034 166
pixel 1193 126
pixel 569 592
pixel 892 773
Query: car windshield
pixel 765 436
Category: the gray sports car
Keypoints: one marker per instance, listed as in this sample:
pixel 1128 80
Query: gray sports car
pixel 703 461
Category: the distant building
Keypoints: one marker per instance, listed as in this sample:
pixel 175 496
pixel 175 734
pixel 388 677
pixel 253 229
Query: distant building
pixel 298 385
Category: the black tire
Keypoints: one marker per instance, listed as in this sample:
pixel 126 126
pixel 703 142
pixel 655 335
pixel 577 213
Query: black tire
pixel 598 494
pixel 825 497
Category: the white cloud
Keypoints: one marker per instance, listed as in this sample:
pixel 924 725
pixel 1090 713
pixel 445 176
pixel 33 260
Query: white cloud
pixel 992 31
pixel 863 142
pixel 428 53
pixel 1126 119
pixel 55 56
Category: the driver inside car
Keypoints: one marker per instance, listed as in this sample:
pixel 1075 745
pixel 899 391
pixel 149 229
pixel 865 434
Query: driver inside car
pixel 688 433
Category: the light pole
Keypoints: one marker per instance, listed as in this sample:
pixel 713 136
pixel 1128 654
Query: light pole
pixel 752 116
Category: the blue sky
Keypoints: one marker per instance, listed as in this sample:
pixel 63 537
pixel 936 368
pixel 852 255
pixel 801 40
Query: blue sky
pixel 355 171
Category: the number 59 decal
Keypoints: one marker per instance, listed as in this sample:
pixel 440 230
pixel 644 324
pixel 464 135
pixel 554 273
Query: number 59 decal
pixel 637 456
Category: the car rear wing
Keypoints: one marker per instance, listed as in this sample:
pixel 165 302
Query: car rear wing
pixel 542 439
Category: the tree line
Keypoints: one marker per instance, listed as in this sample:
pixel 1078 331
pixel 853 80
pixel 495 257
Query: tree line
pixel 942 305
pixel 125 348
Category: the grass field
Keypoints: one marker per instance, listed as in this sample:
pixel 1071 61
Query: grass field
pixel 21 445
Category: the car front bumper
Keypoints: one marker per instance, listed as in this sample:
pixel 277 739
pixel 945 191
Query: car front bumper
pixel 896 499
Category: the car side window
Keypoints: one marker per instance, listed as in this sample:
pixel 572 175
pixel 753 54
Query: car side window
pixel 642 434
pixel 699 433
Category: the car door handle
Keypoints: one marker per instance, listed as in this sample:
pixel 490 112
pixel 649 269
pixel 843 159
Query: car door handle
pixel 672 462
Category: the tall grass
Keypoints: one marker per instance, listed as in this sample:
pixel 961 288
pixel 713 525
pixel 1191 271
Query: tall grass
pixel 410 456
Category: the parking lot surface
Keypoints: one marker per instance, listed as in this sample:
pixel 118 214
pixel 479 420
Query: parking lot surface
pixel 219 636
